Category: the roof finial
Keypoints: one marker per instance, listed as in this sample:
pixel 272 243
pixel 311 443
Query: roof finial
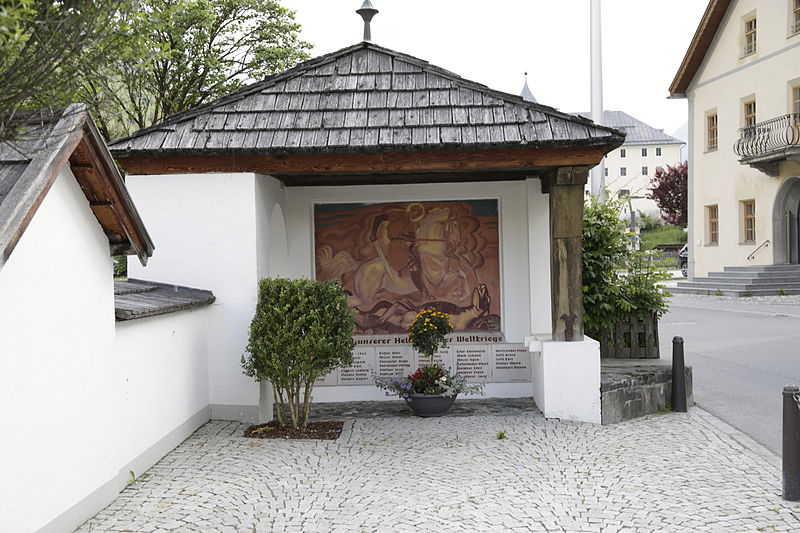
pixel 526 94
pixel 367 12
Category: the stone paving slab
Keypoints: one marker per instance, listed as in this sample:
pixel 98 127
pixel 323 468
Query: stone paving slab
pixel 677 472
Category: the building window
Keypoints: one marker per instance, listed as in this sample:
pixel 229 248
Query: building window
pixel 796 100
pixel 658 150
pixel 644 152
pixel 750 36
pixel 711 132
pixel 749 220
pixel 623 171
pixel 712 224
pixel 622 152
pixel 750 113
pixel 796 17
pixel 644 171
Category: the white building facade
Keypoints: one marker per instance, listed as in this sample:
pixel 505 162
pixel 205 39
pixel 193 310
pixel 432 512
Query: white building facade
pixel 630 168
pixel 741 76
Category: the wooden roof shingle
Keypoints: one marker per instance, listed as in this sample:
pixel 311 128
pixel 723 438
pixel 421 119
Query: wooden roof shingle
pixel 30 163
pixel 364 98
pixel 139 299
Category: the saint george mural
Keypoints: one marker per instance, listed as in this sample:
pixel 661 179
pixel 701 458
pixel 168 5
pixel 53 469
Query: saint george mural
pixel 395 259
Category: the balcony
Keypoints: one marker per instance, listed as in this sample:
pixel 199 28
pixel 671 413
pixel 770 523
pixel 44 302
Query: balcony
pixel 765 145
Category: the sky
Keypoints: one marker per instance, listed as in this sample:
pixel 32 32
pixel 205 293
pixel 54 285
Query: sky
pixel 494 42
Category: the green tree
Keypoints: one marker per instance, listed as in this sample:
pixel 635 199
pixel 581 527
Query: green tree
pixel 180 54
pixel 138 61
pixel 301 330
pixel 45 46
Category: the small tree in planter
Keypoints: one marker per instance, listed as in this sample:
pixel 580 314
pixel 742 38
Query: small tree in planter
pixel 301 330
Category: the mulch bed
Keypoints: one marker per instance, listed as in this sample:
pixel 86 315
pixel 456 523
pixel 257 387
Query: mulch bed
pixel 316 430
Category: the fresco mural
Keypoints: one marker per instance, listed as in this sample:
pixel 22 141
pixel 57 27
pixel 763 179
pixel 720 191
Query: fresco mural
pixel 394 259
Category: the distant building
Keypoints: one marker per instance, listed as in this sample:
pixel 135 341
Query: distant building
pixel 630 167
pixel 741 76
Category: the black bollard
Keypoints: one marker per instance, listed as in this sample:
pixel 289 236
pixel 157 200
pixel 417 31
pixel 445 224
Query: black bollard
pixel 791 443
pixel 678 376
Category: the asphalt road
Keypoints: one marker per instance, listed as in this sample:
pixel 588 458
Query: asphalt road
pixel 742 353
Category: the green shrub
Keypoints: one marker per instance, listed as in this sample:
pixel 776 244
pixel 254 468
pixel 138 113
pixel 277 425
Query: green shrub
pixel 618 283
pixel 301 330
pixel 662 235
pixel 120 266
pixel 648 223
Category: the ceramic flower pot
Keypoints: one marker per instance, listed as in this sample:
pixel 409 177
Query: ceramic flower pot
pixel 428 405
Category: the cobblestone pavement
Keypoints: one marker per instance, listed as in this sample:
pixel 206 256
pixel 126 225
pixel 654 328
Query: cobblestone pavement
pixel 677 472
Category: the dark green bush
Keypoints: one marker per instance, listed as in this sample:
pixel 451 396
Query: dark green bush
pixel 301 330
pixel 618 283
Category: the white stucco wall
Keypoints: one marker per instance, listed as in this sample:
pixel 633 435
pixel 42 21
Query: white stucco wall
pixel 56 341
pixel 86 399
pixel 162 384
pixel 205 230
pixel 724 81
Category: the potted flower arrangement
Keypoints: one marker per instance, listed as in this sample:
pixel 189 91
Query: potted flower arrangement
pixel 431 389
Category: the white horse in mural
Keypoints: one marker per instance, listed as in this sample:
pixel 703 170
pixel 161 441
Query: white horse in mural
pixel 443 274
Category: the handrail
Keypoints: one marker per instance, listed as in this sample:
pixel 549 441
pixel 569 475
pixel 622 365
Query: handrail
pixel 763 245
pixel 768 136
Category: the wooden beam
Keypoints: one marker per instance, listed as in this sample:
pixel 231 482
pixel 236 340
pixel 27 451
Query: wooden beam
pixel 314 180
pixel 87 165
pixel 566 189
pixel 516 159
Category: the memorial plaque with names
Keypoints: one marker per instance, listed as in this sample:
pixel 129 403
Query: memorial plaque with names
pixel 472 362
pixel 443 357
pixel 512 364
pixel 360 372
pixel 328 380
pixel 393 361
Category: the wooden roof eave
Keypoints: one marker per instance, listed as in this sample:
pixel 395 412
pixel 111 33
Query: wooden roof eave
pixel 73 134
pixel 23 200
pixel 397 162
pixel 108 198
pixel 695 54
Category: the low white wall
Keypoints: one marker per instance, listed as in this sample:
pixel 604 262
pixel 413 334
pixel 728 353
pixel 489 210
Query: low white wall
pixel 162 372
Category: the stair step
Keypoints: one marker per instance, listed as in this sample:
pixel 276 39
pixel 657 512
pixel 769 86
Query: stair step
pixel 760 282
pixel 750 274
pixel 730 292
pixel 764 268
pixel 703 284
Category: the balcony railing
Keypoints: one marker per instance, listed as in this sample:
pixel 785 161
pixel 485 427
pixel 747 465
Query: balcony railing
pixel 769 137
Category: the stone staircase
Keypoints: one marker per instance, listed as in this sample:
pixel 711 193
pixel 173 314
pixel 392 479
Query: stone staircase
pixel 767 280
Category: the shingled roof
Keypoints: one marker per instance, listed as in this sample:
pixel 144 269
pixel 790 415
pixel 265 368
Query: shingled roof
pixel 364 98
pixel 636 131
pixel 30 163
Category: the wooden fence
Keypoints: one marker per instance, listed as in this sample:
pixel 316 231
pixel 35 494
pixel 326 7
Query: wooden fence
pixel 668 253
pixel 637 339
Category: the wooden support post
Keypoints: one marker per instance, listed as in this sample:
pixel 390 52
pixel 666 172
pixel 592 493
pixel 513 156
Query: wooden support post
pixel 566 188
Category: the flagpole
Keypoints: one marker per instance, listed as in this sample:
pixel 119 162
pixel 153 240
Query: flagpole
pixel 598 172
